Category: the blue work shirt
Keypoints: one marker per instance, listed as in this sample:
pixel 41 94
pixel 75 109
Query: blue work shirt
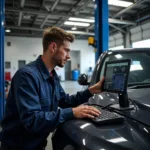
pixel 32 106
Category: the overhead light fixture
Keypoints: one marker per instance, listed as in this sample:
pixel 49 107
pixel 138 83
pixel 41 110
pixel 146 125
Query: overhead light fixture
pixel 8 30
pixel 120 3
pixel 70 23
pixel 74 28
pixel 81 20
pixel 26 17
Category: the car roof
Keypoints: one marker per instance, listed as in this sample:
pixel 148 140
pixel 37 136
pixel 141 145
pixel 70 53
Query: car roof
pixel 129 50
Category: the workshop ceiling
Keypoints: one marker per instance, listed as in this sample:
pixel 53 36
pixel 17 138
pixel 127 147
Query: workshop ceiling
pixel 28 18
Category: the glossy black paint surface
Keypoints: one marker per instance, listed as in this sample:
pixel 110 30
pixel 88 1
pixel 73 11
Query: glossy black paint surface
pixel 133 134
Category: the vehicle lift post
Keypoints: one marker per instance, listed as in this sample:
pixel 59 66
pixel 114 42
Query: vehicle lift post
pixel 101 27
pixel 2 83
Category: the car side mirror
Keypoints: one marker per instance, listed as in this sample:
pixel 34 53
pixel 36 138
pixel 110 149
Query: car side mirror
pixel 83 79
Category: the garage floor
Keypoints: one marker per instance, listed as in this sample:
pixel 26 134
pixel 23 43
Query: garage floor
pixel 70 87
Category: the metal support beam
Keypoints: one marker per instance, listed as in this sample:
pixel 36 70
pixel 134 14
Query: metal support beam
pixel 86 2
pixel 20 18
pixel 42 4
pixel 117 28
pixel 117 21
pixel 90 27
pixel 43 23
pixel 52 9
pixel 61 21
pixel 127 40
pixel 29 11
pixel 37 29
pixel 75 6
pixel 20 14
pixel 54 5
pixel 101 27
pixel 138 3
pixel 66 15
pixel 2 84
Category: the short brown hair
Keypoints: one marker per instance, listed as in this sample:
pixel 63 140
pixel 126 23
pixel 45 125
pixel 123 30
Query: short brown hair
pixel 57 35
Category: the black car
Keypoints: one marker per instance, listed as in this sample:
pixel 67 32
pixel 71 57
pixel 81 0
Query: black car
pixel 134 133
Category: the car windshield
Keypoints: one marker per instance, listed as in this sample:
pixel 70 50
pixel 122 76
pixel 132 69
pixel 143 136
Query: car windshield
pixel 139 69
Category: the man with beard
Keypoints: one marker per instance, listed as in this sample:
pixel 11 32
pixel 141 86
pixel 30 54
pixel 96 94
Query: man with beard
pixel 36 103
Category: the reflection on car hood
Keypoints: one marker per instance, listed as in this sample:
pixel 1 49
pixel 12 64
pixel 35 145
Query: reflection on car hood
pixel 127 136
pixel 140 95
pixel 141 98
pixel 134 133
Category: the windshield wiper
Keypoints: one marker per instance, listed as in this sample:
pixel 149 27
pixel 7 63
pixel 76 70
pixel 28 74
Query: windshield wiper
pixel 139 86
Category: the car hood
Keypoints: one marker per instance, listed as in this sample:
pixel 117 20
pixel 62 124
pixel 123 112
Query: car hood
pixel 134 133
pixel 89 136
pixel 141 98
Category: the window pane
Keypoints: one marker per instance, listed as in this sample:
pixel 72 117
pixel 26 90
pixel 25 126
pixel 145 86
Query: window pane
pixel 139 70
pixel 143 44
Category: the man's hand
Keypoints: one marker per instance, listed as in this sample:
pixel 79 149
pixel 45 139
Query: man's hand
pixel 96 88
pixel 85 111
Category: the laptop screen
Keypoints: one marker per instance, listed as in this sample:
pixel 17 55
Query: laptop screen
pixel 116 75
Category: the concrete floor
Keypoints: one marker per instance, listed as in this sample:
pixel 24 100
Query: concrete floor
pixel 70 87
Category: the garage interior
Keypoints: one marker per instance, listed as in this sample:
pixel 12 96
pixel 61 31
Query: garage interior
pixel 128 27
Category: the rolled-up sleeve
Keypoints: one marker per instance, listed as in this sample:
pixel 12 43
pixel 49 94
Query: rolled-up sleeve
pixel 32 117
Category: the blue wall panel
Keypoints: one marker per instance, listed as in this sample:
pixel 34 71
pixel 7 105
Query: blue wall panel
pixel 101 27
pixel 2 93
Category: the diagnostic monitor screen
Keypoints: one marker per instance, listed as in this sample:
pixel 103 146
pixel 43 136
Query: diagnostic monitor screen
pixel 116 75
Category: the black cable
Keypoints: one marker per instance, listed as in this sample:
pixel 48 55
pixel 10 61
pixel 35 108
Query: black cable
pixel 104 107
pixel 132 101
pixel 108 105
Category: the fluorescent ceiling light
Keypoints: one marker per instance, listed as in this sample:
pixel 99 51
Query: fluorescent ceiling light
pixel 81 20
pixel 8 30
pixel 70 23
pixel 74 28
pixel 26 17
pixel 120 3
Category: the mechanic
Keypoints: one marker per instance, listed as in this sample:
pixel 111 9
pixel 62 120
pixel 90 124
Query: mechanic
pixel 36 103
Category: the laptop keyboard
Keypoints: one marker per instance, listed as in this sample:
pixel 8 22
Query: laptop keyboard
pixel 107 117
